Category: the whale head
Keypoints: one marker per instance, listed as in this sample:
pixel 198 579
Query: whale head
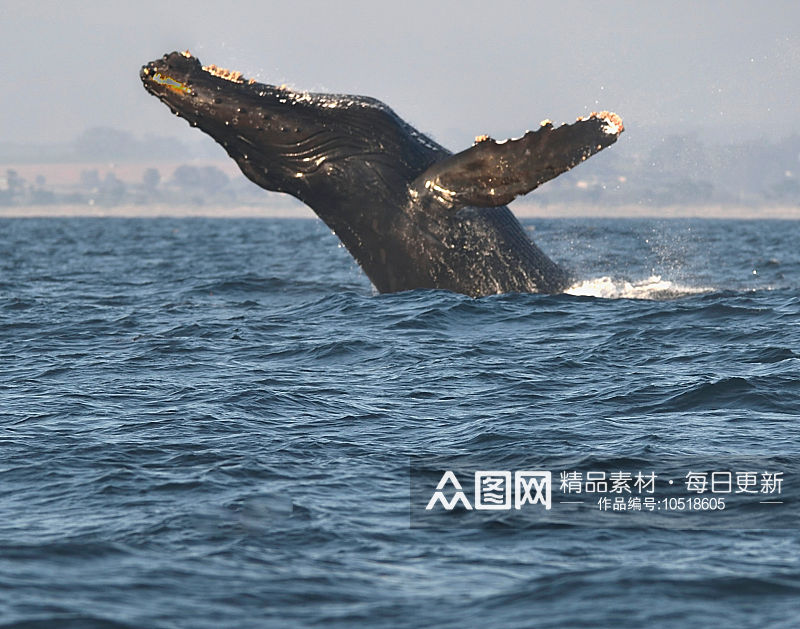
pixel 308 145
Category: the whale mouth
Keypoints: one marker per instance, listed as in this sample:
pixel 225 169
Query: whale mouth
pixel 180 72
pixel 194 91
pixel 208 95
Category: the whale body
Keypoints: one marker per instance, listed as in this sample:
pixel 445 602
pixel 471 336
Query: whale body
pixel 412 214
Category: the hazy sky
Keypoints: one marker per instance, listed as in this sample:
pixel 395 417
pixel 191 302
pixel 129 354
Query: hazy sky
pixel 453 69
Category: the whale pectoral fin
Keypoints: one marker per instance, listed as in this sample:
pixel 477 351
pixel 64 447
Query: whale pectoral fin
pixel 493 173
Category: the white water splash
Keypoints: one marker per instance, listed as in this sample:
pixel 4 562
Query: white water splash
pixel 651 288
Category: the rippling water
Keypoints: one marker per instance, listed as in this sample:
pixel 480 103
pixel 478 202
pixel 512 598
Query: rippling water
pixel 209 423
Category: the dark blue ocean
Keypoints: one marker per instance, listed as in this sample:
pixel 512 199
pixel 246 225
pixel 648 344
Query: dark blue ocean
pixel 213 423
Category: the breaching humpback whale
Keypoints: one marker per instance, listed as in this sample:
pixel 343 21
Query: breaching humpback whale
pixel 409 211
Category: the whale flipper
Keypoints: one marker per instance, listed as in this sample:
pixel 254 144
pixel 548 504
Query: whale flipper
pixel 491 173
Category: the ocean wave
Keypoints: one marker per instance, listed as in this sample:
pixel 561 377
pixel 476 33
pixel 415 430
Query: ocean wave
pixel 651 288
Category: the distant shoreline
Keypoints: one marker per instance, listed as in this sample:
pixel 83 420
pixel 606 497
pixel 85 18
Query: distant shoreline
pixel 156 211
pixel 522 210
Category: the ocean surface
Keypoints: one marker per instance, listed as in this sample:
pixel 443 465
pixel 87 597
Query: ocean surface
pixel 214 423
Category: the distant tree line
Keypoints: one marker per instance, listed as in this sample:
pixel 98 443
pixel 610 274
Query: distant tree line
pixel 187 185
pixel 103 144
pixel 680 170
pixel 675 170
